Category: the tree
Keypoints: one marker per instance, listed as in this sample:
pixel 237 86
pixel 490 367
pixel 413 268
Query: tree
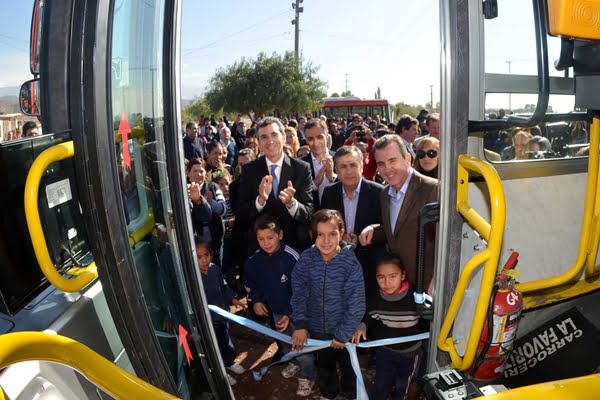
pixel 347 93
pixel 378 93
pixel 403 108
pixel 266 85
pixel 199 106
pixel 335 94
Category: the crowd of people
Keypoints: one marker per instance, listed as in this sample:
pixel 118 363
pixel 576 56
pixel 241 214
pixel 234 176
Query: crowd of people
pixel 28 129
pixel 315 221
pixel 541 141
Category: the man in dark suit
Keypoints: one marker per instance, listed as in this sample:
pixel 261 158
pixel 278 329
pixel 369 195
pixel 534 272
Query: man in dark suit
pixel 277 185
pixel 193 146
pixel 320 158
pixel 357 199
pixel 407 192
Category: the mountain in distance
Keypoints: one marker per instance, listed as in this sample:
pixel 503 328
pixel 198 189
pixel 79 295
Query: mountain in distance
pixel 9 91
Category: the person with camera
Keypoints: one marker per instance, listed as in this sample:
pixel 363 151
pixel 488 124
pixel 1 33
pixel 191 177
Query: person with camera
pixel 362 134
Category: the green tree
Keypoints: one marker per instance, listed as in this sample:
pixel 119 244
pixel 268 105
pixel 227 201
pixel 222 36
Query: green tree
pixel 378 93
pixel 266 85
pixel 199 106
pixel 335 94
pixel 402 108
pixel 346 93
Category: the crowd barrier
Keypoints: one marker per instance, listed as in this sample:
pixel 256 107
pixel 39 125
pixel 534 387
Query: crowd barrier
pixel 314 345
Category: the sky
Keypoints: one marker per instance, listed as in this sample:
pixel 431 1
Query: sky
pixel 394 45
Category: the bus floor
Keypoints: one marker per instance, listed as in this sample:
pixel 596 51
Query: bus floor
pixel 256 350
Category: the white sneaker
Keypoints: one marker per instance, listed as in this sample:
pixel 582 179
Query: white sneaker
pixel 304 387
pixel 236 368
pixel 231 380
pixel 290 370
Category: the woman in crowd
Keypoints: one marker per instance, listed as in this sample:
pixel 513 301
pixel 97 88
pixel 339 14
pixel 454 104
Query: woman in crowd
pixel 427 156
pixel 291 139
pixel 216 154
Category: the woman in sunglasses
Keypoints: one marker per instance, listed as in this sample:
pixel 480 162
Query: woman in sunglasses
pixel 426 160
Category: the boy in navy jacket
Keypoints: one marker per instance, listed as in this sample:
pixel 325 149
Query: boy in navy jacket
pixel 268 276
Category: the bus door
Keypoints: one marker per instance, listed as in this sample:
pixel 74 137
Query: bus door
pixel 108 73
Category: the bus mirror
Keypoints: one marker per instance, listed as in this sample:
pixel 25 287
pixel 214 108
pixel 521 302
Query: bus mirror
pixel 29 97
pixel 36 37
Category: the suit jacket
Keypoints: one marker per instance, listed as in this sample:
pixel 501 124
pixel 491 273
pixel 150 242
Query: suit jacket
pixel 368 210
pixel 295 229
pixel 401 240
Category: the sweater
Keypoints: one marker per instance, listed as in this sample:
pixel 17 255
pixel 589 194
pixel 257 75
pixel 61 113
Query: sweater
pixel 391 316
pixel 268 278
pixel 328 298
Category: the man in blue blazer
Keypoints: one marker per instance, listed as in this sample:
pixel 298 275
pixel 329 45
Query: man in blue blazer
pixel 277 185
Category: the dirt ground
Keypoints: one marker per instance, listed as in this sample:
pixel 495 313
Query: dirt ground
pixel 255 351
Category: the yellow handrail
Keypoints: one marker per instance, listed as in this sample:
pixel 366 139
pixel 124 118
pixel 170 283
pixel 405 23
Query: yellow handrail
pixel 595 225
pixel 84 275
pixel 586 226
pixel 118 383
pixel 493 233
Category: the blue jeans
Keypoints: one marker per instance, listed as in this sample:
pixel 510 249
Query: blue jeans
pixel 392 368
pixel 228 353
pixel 305 361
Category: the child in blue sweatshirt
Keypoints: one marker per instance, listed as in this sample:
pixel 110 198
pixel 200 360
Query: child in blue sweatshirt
pixel 328 301
pixel 219 294
pixel 268 275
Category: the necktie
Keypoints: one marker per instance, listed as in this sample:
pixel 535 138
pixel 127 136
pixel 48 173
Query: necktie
pixel 275 180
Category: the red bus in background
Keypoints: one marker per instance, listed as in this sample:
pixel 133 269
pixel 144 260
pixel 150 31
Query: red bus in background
pixel 341 107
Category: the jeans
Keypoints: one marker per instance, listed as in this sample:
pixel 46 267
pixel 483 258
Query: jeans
pixel 305 361
pixel 392 368
pixel 226 348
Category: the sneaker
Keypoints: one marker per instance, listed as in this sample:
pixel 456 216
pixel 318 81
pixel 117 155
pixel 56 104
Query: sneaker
pixel 304 387
pixel 231 380
pixel 236 368
pixel 290 370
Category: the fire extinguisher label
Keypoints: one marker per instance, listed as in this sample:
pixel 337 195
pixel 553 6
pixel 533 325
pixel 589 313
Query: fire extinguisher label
pixel 505 331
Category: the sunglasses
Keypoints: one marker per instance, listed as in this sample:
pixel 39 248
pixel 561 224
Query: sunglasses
pixel 429 153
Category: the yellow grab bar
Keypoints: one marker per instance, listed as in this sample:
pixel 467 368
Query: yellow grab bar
pixel 82 276
pixel 586 225
pixel 594 240
pixel 493 234
pixel 118 383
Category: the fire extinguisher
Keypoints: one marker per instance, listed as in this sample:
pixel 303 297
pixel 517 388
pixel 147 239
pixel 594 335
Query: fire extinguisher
pixel 504 311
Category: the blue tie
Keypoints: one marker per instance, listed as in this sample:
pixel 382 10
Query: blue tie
pixel 275 180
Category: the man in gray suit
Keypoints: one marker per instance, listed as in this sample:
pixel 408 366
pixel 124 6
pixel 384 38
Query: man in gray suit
pixel 401 200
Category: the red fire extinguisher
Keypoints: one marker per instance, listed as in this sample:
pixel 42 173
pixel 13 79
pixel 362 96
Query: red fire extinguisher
pixel 504 313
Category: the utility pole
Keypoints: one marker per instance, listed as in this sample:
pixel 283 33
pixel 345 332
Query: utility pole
pixel 346 83
pixel 296 22
pixel 509 95
pixel 431 97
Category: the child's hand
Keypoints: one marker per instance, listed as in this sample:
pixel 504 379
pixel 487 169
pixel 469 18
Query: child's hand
pixel 283 323
pixel 358 334
pixel 238 303
pixel 194 193
pixel 337 345
pixel 299 338
pixel 260 309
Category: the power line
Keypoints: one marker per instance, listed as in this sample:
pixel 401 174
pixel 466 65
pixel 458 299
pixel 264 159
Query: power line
pixel 190 51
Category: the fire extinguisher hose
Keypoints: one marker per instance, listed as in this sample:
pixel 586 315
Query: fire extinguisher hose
pixel 490 331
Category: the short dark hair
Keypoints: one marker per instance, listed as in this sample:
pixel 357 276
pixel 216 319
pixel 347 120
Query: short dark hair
pixel 388 140
pixel 190 125
pixel 266 221
pixel 210 146
pixel 263 123
pixel 345 150
pixel 293 123
pixel 194 161
pixel 27 126
pixel 390 259
pixel 405 122
pixel 325 215
pixel 313 122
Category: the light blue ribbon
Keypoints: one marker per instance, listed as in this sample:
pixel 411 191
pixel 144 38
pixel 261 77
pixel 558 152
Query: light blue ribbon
pixel 314 345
